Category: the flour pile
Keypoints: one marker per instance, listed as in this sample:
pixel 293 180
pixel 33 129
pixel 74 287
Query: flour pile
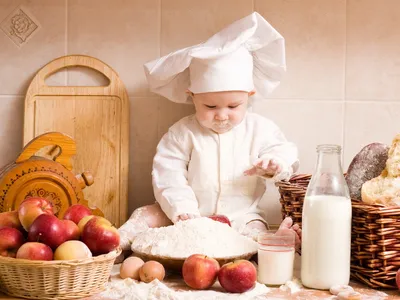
pixel 195 236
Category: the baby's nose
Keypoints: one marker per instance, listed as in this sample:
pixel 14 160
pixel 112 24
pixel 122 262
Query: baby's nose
pixel 221 116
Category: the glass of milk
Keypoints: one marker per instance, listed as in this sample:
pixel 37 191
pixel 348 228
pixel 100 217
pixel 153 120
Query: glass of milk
pixel 276 251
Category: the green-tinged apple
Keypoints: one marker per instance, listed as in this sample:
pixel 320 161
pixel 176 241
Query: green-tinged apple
pixel 48 229
pixel 238 276
pixel 10 241
pixel 76 212
pixel 35 251
pixel 31 208
pixel 199 271
pixel 100 235
pixel 10 219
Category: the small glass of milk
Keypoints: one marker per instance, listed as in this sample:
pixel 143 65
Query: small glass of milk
pixel 276 252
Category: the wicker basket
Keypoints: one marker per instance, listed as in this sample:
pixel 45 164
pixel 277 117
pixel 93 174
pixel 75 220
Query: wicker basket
pixel 375 244
pixel 55 279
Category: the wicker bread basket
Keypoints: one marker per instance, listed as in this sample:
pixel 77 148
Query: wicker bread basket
pixel 55 279
pixel 375 244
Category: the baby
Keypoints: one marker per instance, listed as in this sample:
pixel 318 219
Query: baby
pixel 217 161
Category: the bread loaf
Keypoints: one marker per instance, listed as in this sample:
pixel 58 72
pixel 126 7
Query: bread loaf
pixel 385 188
pixel 367 164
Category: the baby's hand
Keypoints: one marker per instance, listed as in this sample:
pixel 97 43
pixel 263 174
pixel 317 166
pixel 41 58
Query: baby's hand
pixel 184 217
pixel 254 228
pixel 264 167
pixel 287 224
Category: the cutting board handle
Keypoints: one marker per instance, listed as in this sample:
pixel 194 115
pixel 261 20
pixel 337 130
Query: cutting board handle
pixel 76 61
pixel 66 145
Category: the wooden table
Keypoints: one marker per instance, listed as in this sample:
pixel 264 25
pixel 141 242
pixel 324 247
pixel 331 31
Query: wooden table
pixel 276 293
pixel 305 294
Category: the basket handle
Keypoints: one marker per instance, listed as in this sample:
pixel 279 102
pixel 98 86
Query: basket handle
pixel 65 144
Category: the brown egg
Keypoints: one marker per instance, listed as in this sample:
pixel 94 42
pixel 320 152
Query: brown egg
pixel 152 270
pixel 130 268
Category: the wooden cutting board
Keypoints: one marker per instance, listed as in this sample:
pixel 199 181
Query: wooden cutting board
pixel 97 118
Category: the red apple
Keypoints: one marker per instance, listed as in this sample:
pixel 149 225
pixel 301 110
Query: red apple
pixel 10 241
pixel 47 229
pixel 31 208
pixel 35 251
pixel 220 218
pixel 238 276
pixel 100 236
pixel 76 212
pixel 199 271
pixel 10 219
pixel 71 230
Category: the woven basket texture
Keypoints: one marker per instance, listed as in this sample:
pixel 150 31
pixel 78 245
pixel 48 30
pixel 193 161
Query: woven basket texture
pixel 375 244
pixel 55 279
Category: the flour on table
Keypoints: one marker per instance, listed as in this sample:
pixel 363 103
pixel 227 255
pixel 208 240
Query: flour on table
pixel 129 289
pixel 194 236
pixel 292 286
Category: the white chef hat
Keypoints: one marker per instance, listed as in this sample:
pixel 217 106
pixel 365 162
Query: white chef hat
pixel 247 55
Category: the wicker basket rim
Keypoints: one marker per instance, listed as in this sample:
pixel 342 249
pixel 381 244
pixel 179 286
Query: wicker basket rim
pixel 355 202
pixel 60 263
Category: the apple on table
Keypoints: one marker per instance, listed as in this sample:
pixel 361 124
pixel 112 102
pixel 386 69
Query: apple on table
pixel 238 276
pixel 200 271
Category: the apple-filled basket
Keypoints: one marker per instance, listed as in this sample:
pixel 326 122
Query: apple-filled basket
pixel 47 248
pixel 55 279
pixel 371 178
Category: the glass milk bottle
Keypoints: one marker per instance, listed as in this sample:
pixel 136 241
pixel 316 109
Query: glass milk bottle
pixel 326 223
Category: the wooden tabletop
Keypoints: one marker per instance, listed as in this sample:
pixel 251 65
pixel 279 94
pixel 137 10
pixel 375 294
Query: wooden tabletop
pixel 277 293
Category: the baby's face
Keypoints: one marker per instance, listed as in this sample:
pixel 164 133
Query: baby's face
pixel 221 111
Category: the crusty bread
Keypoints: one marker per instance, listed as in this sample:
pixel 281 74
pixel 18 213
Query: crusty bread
pixel 366 165
pixel 385 189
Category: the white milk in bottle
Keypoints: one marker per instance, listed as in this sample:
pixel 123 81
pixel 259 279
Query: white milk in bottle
pixel 326 224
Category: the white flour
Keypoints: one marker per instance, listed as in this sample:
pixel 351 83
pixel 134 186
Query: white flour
pixel 169 289
pixel 195 236
pixel 292 286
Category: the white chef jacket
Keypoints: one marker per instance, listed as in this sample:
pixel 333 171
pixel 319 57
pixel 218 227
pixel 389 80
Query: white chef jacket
pixel 197 171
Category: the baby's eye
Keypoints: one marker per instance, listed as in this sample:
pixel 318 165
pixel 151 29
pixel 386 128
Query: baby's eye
pixel 233 106
pixel 210 106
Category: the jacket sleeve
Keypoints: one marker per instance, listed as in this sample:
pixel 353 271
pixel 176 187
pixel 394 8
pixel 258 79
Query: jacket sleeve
pixel 274 146
pixel 170 177
pixel 278 148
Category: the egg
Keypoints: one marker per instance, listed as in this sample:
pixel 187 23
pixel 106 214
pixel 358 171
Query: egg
pixel 130 268
pixel 152 270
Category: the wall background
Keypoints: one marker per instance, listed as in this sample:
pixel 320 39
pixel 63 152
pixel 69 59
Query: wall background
pixel 341 85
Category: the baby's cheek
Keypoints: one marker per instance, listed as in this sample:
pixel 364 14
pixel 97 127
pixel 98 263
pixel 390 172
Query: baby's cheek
pixel 236 118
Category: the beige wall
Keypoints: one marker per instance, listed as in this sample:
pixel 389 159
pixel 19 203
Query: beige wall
pixel 341 85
